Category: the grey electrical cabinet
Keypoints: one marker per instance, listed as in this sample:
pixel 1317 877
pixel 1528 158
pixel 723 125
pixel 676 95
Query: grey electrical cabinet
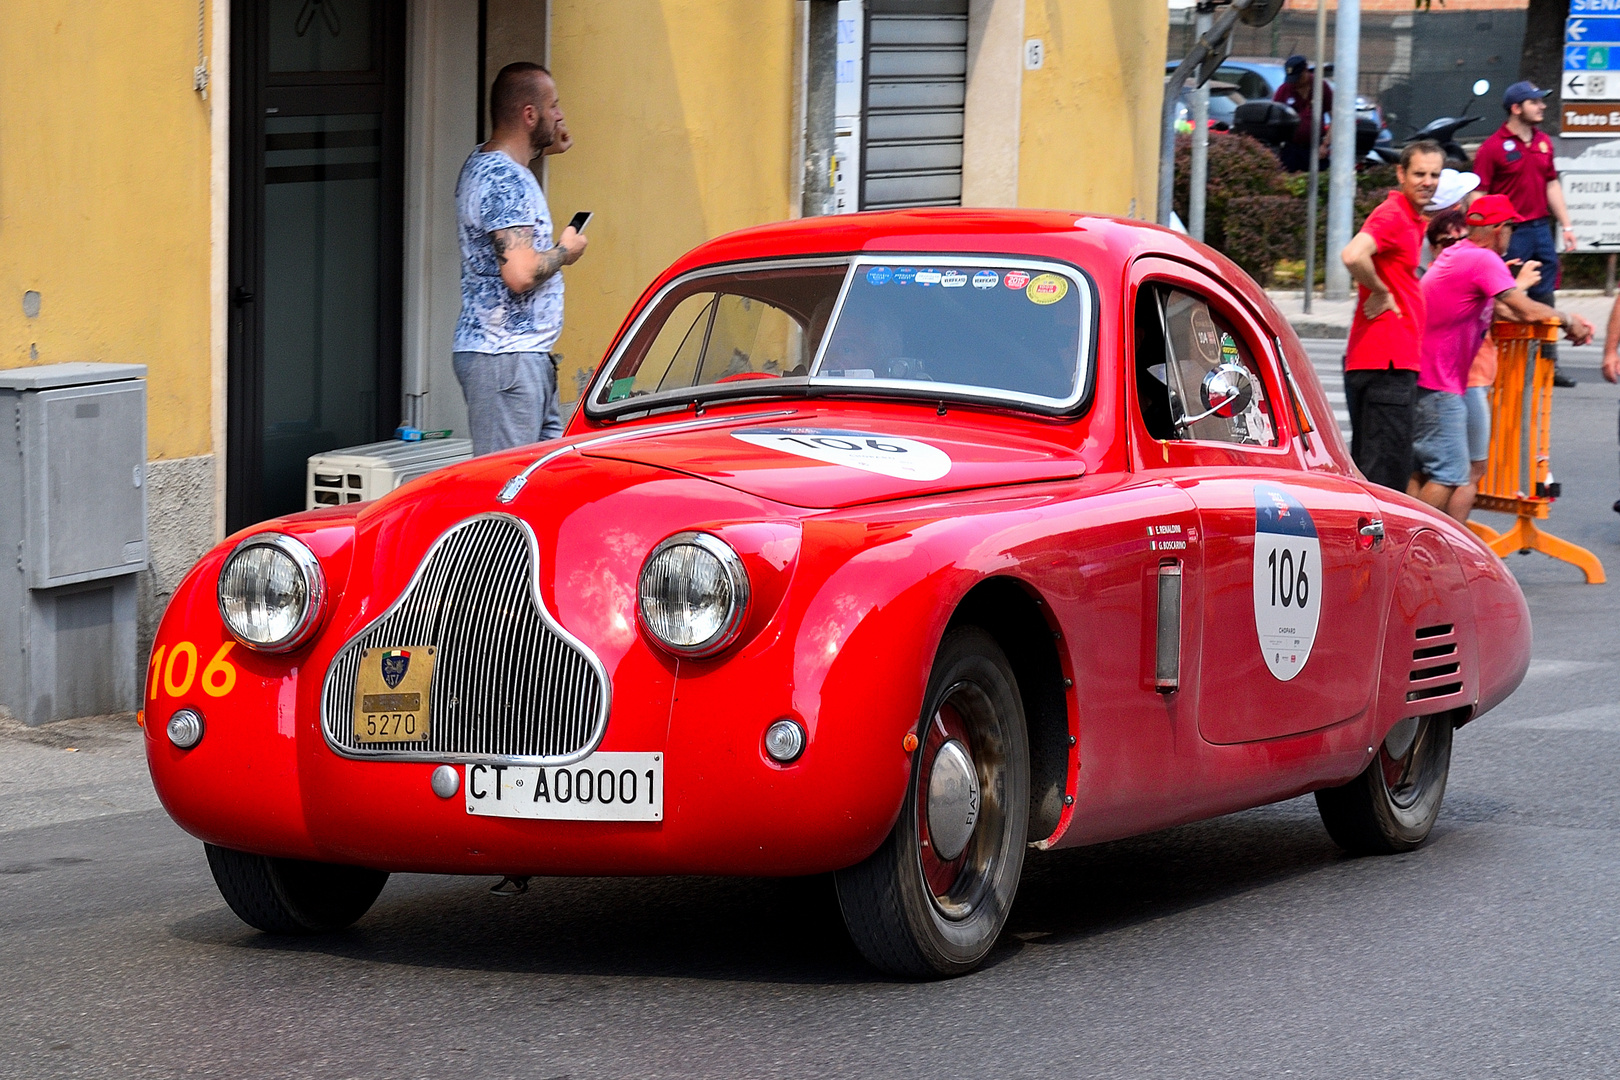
pixel 72 538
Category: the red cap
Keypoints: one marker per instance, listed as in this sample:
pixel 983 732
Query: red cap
pixel 1491 210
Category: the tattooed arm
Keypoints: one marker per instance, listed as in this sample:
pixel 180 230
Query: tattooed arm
pixel 522 267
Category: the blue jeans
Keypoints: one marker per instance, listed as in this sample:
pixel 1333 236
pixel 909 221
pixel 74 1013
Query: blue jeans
pixel 1478 400
pixel 1534 240
pixel 511 398
pixel 1440 437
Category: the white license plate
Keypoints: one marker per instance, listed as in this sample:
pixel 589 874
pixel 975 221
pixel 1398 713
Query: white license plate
pixel 603 787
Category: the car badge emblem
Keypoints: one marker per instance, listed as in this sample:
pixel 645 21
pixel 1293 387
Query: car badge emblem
pixel 395 662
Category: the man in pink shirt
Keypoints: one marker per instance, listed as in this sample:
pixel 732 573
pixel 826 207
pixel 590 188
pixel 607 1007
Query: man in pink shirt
pixel 1465 285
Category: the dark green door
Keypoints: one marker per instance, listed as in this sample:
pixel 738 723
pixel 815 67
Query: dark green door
pixel 317 162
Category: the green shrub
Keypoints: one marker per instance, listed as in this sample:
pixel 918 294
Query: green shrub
pixel 1239 167
pixel 1262 230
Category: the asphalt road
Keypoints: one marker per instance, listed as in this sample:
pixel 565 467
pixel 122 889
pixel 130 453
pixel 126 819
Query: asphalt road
pixel 1244 946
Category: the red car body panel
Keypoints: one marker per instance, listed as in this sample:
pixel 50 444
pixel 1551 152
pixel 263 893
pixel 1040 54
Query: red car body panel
pixel 856 577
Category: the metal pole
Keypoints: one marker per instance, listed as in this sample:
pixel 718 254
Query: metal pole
pixel 1342 164
pixel 1167 111
pixel 821 109
pixel 1317 82
pixel 1198 170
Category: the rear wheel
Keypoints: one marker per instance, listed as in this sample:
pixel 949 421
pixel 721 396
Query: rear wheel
pixel 290 896
pixel 1394 803
pixel 932 900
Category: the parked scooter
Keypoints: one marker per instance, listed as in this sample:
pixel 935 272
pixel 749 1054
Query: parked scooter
pixel 1443 130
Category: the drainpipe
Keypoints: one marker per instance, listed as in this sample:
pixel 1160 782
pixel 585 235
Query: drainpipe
pixel 821 108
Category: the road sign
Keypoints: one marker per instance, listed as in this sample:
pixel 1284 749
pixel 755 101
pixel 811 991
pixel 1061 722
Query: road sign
pixel 1601 85
pixel 1592 30
pixel 1587 118
pixel 1590 172
pixel 1591 68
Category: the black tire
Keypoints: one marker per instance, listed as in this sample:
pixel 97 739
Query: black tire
pixel 292 897
pixel 1395 801
pixel 894 914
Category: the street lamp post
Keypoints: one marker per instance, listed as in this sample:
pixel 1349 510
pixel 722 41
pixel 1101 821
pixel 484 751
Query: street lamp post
pixel 1316 153
pixel 1342 164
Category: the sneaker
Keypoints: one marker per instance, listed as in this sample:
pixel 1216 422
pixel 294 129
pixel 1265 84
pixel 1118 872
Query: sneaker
pixel 1560 379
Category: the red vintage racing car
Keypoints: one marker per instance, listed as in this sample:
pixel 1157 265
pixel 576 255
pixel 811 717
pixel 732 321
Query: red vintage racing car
pixel 886 544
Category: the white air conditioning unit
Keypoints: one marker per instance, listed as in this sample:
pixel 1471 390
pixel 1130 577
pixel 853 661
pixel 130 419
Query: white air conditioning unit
pixel 361 473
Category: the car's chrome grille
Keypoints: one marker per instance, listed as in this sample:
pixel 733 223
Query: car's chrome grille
pixel 509 684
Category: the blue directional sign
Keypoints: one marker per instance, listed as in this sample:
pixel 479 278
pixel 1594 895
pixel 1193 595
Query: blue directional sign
pixel 1592 30
pixel 1590 57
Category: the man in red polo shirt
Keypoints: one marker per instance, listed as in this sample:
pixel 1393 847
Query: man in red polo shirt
pixel 1386 333
pixel 1517 161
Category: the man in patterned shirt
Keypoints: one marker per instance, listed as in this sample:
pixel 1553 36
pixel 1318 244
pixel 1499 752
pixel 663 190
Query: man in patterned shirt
pixel 511 288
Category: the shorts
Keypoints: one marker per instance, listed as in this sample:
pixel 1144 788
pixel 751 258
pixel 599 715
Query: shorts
pixel 1478 401
pixel 1440 437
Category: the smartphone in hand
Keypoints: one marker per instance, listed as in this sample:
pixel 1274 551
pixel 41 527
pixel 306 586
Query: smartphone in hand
pixel 580 220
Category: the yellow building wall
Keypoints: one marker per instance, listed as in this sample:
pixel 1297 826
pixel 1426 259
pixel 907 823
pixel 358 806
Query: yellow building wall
pixel 104 200
pixel 1089 129
pixel 682 117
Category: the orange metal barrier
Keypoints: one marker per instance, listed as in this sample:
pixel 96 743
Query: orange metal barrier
pixel 1518 474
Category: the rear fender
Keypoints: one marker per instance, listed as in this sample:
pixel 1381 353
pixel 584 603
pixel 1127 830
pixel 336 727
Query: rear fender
pixel 1431 653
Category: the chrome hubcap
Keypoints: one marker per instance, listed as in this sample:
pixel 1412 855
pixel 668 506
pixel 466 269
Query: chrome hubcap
pixel 953 800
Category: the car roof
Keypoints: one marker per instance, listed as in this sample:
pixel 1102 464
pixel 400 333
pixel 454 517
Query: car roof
pixel 1097 243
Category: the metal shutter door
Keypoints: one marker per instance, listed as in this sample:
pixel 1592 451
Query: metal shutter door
pixel 916 81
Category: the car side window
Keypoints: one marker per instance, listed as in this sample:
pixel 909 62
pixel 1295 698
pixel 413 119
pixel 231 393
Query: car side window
pixel 1251 84
pixel 1180 340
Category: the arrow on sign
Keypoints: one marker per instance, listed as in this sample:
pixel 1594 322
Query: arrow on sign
pixel 1575 30
pixel 1573 84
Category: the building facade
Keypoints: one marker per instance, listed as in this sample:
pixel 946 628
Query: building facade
pixel 254 197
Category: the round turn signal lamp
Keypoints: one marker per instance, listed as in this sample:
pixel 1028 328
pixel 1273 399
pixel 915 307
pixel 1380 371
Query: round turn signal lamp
pixel 185 728
pixel 784 741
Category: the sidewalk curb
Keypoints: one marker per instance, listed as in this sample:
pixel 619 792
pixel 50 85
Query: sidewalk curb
pixel 1321 330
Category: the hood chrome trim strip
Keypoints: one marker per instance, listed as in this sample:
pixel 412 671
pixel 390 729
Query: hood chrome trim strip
pixel 512 487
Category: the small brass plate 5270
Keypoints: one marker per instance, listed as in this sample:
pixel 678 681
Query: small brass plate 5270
pixel 392 695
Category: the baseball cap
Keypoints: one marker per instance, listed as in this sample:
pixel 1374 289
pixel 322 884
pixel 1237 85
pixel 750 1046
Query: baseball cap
pixel 1295 63
pixel 1450 191
pixel 1491 210
pixel 1520 92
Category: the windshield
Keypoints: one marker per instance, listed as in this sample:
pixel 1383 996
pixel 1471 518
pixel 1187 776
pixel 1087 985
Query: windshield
pixel 939 326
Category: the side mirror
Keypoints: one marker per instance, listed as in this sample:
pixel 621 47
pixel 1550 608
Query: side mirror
pixel 1227 391
pixel 1482 87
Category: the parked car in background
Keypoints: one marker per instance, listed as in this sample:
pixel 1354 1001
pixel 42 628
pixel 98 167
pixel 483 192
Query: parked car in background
pixel 1224 99
pixel 1257 78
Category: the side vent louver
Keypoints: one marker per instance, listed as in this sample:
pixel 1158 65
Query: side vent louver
pixel 1438 676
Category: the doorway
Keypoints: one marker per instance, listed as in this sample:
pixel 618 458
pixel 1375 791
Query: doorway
pixel 317 171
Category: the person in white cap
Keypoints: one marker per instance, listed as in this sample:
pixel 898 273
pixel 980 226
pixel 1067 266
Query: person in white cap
pixel 1453 188
pixel 1451 194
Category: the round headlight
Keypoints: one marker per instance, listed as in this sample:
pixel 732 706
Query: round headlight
pixel 693 593
pixel 271 592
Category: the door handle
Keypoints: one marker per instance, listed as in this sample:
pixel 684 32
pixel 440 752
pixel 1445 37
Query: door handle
pixel 1374 530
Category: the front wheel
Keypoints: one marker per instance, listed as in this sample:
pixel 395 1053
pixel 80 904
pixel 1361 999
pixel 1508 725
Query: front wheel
pixel 290 896
pixel 932 900
pixel 1394 803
